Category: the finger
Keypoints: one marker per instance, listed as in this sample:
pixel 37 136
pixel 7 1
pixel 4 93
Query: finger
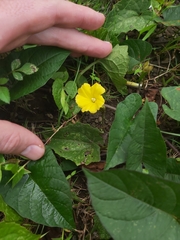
pixel 71 15
pixel 72 40
pixel 17 140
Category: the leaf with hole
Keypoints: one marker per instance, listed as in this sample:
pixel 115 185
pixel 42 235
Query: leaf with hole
pixel 78 143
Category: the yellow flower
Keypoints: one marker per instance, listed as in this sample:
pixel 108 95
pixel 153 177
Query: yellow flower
pixel 89 97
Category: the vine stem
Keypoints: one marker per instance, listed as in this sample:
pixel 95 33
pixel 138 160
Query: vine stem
pixel 87 68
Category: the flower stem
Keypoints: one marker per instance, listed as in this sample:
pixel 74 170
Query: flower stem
pixel 87 68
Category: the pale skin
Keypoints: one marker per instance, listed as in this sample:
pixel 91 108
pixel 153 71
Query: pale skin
pixel 50 22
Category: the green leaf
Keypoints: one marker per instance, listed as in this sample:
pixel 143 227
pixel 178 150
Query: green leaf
pixel 10 214
pixel 11 230
pixel 15 64
pixel 64 100
pixel 28 69
pixel 129 15
pixel 56 92
pixel 171 16
pixel 132 205
pixel 173 170
pixel 116 66
pixel 2 159
pixel 78 143
pixel 3 81
pixel 43 196
pixel 4 94
pixel 47 59
pixel 138 50
pixel 17 75
pixel 71 89
pixel 172 96
pixel 118 136
pixel 147 147
pixel 61 74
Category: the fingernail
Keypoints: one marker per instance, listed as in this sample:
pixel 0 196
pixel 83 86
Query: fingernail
pixel 33 152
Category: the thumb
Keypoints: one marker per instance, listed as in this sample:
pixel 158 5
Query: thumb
pixel 17 140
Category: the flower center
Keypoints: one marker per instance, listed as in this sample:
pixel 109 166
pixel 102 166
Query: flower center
pixel 93 99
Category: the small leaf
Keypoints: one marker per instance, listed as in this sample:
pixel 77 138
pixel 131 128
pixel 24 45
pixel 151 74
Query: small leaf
pixel 172 96
pixel 11 230
pixel 64 103
pixel 56 92
pixel 43 196
pixel 4 94
pixel 78 143
pixel 71 89
pixel 61 74
pixel 3 81
pixel 132 205
pixel 2 159
pixel 116 66
pixel 18 76
pixel 15 64
pixel 10 214
pixel 28 68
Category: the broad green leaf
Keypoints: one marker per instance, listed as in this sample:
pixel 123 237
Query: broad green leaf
pixel 172 96
pixel 71 89
pixel 78 143
pixel 116 66
pixel 43 196
pixel 4 94
pixel 28 69
pixel 138 50
pixel 9 213
pixel 15 64
pixel 147 147
pixel 14 231
pixel 132 205
pixel 173 170
pixel 118 136
pixel 56 92
pixel 3 81
pixel 171 16
pixel 129 15
pixel 47 59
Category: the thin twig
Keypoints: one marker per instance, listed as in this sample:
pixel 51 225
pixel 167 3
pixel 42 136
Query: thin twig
pixel 49 139
pixel 172 147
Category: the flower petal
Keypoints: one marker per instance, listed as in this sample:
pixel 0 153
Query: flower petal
pixel 85 91
pixel 82 101
pixel 97 89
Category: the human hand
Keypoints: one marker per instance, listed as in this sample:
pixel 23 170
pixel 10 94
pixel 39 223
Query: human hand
pixel 50 22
